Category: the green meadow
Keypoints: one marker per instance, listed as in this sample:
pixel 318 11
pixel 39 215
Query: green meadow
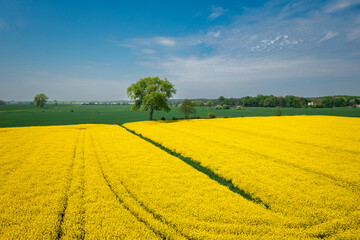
pixel 13 115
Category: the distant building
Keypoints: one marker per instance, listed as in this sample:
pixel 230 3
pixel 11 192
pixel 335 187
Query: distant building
pixel 315 101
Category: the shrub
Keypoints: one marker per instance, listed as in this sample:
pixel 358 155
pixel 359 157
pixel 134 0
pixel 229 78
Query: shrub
pixel 174 118
pixel 163 118
pixel 72 110
pixel 278 113
pixel 211 115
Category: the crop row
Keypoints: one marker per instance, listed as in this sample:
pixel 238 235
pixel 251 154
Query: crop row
pixel 100 181
pixel 299 166
pixel 175 200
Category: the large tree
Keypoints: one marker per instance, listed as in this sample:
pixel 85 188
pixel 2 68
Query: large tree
pixel 40 99
pixel 151 93
pixel 187 107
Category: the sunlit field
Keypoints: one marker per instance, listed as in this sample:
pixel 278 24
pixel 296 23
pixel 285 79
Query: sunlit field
pixel 305 168
pixel 295 178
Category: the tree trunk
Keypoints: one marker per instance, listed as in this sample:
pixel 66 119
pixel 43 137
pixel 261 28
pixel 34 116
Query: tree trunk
pixel 151 114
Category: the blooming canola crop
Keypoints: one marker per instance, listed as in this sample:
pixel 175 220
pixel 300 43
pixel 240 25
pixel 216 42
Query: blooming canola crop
pixel 101 181
pixel 305 168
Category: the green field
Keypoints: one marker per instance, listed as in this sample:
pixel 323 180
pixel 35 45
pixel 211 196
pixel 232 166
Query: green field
pixel 29 115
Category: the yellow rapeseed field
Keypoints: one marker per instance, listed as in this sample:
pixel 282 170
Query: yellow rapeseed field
pixel 101 181
pixel 305 168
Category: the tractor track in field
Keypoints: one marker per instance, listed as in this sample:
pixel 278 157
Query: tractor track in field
pixel 59 231
pixel 156 216
pixel 338 182
pixel 82 184
pixel 197 165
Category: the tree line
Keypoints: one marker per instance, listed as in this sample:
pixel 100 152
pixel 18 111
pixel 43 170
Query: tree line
pixel 280 101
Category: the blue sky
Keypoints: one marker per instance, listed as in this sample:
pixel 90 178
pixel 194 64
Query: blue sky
pixel 94 50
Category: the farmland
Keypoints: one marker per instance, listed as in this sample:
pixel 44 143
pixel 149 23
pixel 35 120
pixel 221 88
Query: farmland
pixel 304 167
pixel 17 115
pixel 294 177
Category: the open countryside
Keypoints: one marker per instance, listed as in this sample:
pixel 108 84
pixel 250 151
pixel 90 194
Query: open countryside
pixel 18 115
pixel 102 181
pixel 193 120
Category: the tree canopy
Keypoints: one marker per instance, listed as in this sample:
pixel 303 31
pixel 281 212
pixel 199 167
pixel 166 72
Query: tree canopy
pixel 40 99
pixel 151 93
pixel 187 107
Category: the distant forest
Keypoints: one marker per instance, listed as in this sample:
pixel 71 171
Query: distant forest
pixel 280 101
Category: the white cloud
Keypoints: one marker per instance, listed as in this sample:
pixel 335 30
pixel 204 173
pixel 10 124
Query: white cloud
pixel 277 43
pixel 165 41
pixel 214 34
pixel 228 69
pixel 216 12
pixel 328 36
pixel 338 5
pixel 148 51
pixel 271 48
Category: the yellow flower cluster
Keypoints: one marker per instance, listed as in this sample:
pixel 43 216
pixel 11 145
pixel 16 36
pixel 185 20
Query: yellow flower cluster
pixel 101 181
pixel 305 168
pixel 52 187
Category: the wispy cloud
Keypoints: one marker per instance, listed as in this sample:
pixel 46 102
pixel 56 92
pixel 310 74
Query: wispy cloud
pixel 328 36
pixel 148 51
pixel 231 69
pixel 277 43
pixel 216 12
pixel 259 47
pixel 214 34
pixel 165 41
pixel 120 43
pixel 338 5
pixel 145 45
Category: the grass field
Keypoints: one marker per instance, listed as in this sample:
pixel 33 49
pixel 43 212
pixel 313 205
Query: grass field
pixel 285 178
pixel 28 115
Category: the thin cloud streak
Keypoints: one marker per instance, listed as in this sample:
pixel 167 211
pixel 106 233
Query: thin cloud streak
pixel 165 41
pixel 328 35
pixel 273 49
pixel 229 70
pixel 216 12
pixel 339 5
pixel 148 51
